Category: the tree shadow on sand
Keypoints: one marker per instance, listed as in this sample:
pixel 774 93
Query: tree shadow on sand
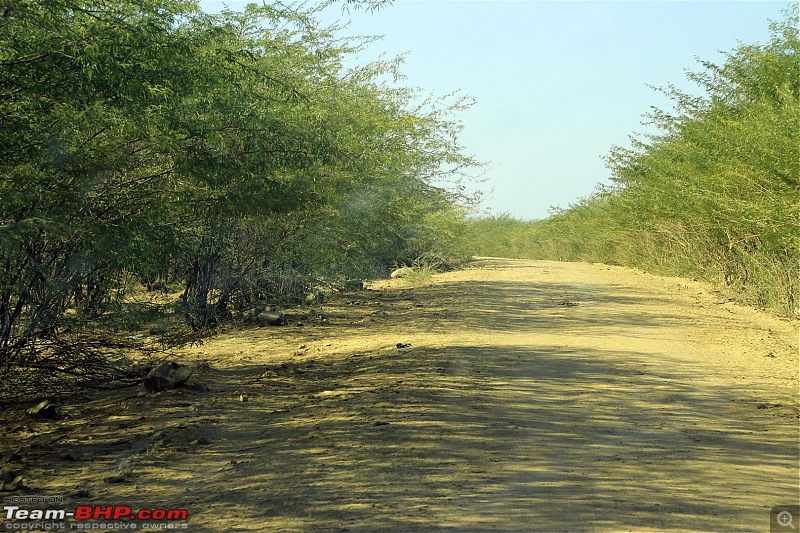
pixel 457 437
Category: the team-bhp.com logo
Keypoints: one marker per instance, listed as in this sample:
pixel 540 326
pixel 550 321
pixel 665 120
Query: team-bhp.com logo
pixel 117 512
pixel 86 517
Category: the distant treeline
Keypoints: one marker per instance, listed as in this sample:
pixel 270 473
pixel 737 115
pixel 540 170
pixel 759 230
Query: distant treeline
pixel 232 157
pixel 714 195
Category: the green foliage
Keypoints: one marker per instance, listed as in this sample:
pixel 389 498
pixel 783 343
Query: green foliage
pixel 232 153
pixel 715 195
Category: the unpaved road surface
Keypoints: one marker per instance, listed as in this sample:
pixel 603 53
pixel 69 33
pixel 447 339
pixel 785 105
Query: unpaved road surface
pixel 534 396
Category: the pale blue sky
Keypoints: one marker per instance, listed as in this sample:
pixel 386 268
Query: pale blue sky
pixel 557 83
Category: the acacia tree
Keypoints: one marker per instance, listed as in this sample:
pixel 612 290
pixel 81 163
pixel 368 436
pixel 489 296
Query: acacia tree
pixel 314 152
pixel 724 177
pixel 153 139
pixel 85 159
pixel 715 194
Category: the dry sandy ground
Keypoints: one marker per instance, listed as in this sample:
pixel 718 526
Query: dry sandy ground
pixel 534 396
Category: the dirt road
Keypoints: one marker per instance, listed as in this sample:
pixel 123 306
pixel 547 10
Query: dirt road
pixel 534 396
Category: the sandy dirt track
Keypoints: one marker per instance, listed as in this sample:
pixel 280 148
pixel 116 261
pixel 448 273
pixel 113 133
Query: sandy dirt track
pixel 534 396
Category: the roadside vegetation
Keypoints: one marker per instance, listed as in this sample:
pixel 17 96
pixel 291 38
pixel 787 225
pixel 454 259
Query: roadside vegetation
pixel 164 170
pixel 714 195
pixel 231 159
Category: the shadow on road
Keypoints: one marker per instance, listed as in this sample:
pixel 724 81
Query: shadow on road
pixel 478 432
